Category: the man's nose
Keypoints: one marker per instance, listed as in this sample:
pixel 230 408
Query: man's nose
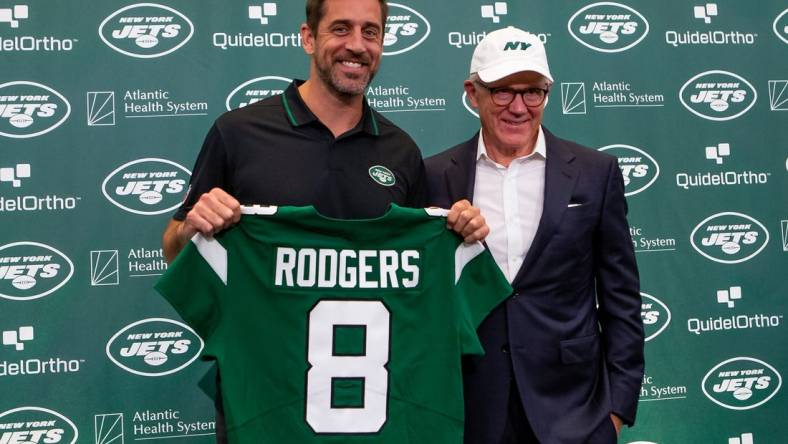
pixel 355 41
pixel 518 104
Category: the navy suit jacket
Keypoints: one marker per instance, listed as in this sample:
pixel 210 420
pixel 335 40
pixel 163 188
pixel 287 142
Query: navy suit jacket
pixel 574 362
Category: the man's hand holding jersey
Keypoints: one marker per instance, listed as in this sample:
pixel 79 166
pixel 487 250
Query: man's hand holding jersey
pixel 467 221
pixel 213 212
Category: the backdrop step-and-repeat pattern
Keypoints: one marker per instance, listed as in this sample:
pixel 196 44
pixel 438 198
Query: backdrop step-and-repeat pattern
pixel 104 105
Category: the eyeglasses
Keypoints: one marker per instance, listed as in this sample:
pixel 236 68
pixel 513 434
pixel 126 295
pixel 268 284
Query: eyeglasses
pixel 503 96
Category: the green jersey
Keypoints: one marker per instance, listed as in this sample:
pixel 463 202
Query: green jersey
pixel 337 331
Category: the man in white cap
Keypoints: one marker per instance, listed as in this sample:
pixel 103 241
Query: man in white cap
pixel 564 354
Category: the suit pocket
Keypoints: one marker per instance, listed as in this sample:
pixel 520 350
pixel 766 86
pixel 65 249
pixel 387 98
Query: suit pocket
pixel 584 214
pixel 575 232
pixel 582 349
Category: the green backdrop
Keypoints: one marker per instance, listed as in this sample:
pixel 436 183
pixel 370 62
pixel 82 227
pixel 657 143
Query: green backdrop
pixel 104 105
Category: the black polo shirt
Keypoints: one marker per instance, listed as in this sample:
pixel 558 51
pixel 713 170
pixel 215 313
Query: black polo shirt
pixel 276 152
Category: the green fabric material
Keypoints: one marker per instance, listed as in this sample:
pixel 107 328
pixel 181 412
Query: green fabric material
pixel 259 332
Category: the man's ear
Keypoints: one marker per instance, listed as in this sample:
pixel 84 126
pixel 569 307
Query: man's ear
pixel 307 39
pixel 470 90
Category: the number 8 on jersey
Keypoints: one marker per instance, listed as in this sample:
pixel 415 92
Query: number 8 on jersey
pixel 328 367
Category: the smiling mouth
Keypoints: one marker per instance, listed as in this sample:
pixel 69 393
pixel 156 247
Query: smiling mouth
pixel 352 64
pixel 513 122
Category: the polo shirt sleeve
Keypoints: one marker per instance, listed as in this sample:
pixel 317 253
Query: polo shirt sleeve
pixel 479 286
pixel 210 171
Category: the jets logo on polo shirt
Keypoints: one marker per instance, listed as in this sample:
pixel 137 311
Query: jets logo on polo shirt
pixel 382 175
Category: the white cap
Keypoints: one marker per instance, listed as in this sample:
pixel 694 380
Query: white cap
pixel 507 51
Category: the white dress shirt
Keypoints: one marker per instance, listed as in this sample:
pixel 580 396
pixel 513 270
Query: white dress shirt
pixel 511 201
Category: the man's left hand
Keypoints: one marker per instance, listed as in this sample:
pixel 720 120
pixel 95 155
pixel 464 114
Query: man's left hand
pixel 467 221
pixel 617 422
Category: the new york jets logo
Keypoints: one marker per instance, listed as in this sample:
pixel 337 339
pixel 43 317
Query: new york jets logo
pixel 406 28
pixel 382 175
pixel 146 186
pixel 781 26
pixel 146 30
pixel 729 238
pixel 608 27
pixel 639 169
pixel 655 315
pixel 515 45
pixel 31 270
pixel 741 383
pixel 154 347
pixel 29 109
pixel 36 425
pixel 255 90
pixel 718 95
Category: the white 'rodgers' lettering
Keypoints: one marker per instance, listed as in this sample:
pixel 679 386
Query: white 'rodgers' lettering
pixel 328 268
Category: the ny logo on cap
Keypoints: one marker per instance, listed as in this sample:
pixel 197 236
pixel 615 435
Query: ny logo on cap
pixel 516 45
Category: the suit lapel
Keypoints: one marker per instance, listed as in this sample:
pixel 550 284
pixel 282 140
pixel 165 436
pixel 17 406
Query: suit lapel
pixel 560 177
pixel 460 176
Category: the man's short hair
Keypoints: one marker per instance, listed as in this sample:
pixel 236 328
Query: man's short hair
pixel 315 12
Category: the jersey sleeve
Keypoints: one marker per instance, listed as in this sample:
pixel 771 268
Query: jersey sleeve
pixel 480 286
pixel 193 282
pixel 209 171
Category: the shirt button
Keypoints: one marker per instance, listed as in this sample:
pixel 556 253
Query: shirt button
pixel 515 294
pixel 505 349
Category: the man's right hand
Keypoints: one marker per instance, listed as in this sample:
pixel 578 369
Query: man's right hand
pixel 213 212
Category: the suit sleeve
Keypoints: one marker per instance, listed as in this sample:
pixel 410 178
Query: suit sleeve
pixel 618 294
pixel 437 191
pixel 480 286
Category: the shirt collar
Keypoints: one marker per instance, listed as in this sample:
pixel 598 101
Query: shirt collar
pixel 540 148
pixel 298 114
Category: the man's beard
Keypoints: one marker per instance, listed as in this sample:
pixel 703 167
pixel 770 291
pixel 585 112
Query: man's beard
pixel 340 83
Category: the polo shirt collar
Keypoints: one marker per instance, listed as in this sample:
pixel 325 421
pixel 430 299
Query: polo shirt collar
pixel 298 114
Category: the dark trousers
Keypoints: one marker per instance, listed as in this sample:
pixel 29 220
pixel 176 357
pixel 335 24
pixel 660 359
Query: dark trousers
pixel 518 430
